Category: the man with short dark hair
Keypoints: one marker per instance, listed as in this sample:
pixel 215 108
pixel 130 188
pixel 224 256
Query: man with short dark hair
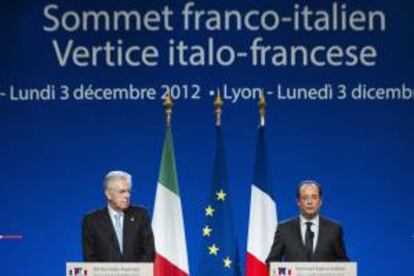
pixel 309 237
pixel 119 232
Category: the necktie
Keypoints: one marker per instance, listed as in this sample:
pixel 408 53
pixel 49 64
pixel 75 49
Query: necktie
pixel 309 241
pixel 118 230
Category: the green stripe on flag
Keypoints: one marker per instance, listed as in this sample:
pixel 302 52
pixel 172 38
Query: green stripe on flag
pixel 168 175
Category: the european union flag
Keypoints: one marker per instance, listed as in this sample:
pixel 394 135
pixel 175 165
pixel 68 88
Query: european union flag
pixel 219 251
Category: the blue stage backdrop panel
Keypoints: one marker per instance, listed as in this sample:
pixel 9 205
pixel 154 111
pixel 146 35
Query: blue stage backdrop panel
pixel 57 144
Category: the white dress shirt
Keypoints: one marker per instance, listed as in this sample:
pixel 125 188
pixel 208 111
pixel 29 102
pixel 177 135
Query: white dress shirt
pixel 314 229
pixel 112 214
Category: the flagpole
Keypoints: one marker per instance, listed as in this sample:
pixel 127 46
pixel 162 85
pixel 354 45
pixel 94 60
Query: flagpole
pixel 168 103
pixel 262 108
pixel 218 103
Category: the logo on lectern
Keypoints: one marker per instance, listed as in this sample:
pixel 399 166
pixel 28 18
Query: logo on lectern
pixel 78 271
pixel 283 271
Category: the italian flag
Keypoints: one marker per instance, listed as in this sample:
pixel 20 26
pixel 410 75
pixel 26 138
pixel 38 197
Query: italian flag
pixel 167 222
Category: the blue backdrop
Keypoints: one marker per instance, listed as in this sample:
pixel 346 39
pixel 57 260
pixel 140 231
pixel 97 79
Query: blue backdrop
pixel 54 154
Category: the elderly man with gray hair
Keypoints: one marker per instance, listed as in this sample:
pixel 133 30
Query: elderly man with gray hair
pixel 119 232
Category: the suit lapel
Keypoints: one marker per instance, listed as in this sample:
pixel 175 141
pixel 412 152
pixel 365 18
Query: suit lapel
pixel 129 222
pixel 107 224
pixel 299 239
pixel 321 235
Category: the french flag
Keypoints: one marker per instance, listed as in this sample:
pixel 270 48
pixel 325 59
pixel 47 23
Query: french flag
pixel 263 215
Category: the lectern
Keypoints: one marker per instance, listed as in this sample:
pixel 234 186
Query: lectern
pixel 109 269
pixel 313 269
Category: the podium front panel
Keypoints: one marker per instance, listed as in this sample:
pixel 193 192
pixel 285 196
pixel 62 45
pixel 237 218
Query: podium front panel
pixel 109 269
pixel 313 269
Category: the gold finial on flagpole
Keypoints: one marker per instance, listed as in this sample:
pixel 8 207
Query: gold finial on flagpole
pixel 168 108
pixel 218 103
pixel 262 108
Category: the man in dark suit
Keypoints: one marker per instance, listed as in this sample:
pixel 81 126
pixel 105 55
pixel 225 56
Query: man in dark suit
pixel 309 237
pixel 119 232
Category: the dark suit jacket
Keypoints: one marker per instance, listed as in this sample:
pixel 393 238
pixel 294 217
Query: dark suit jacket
pixel 288 244
pixel 100 243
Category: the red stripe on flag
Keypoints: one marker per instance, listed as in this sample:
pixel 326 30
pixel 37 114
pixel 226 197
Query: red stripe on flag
pixel 162 267
pixel 254 267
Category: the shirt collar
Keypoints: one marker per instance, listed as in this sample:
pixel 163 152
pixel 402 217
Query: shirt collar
pixel 112 212
pixel 315 220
